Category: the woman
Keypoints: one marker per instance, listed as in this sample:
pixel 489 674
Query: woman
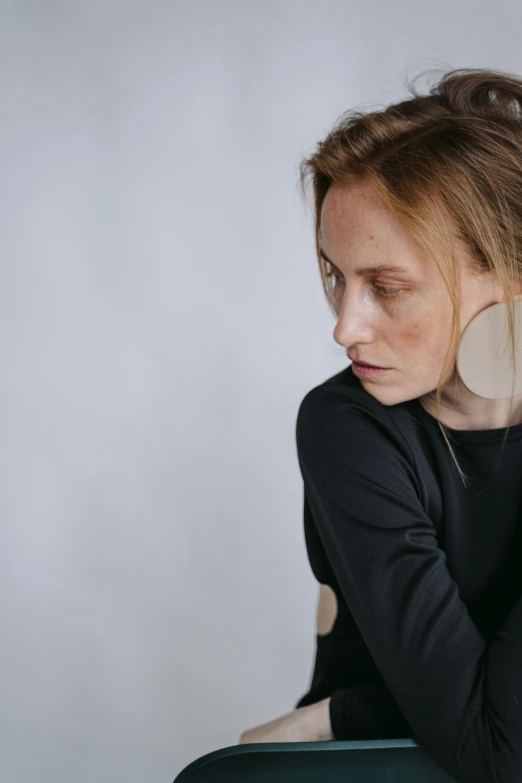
pixel 412 471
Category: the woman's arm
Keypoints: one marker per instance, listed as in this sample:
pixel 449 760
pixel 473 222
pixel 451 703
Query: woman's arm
pixel 366 712
pixel 359 712
pixel 461 696
pixel 306 724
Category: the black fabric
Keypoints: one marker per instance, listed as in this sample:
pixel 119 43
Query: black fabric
pixel 427 642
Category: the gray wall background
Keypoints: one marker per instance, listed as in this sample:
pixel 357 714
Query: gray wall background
pixel 161 320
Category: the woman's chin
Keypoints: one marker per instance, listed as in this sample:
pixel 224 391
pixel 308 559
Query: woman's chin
pixel 388 395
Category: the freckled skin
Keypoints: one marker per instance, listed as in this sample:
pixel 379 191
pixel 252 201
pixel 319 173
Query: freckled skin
pixel 409 331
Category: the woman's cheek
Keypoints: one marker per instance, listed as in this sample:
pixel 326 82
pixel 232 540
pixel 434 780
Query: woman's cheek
pixel 425 342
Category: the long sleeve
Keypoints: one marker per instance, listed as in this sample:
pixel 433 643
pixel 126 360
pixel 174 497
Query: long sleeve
pixel 461 696
pixel 366 712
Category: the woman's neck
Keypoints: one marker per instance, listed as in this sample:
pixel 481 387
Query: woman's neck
pixel 460 409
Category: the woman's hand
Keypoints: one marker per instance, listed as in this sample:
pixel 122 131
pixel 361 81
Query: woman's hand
pixel 306 724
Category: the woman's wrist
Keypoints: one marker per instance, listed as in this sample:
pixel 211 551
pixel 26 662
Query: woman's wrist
pixel 319 721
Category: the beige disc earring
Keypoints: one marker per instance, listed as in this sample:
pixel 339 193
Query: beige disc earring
pixel 484 358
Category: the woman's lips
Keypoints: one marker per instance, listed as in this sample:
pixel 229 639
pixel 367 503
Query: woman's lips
pixel 368 371
pixel 366 364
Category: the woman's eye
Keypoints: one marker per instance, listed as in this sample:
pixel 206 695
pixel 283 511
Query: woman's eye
pixel 387 291
pixel 383 290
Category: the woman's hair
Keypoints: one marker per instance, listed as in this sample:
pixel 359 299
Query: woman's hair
pixel 448 164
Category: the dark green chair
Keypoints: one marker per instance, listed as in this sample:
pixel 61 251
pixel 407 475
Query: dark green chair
pixel 354 761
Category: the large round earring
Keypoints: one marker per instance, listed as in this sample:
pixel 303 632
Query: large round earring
pixel 484 358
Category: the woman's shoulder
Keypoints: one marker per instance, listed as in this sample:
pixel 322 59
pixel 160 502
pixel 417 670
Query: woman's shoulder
pixel 340 424
pixel 342 403
pixel 345 391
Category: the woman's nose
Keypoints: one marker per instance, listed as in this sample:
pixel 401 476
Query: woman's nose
pixel 354 324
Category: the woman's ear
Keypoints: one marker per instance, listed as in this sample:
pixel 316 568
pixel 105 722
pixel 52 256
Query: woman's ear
pixel 326 610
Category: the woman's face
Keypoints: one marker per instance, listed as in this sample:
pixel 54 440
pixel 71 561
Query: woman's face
pixel 396 318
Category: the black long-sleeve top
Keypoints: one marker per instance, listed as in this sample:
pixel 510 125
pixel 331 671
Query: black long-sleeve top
pixel 427 642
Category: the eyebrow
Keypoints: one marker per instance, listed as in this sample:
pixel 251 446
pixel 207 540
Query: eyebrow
pixel 367 270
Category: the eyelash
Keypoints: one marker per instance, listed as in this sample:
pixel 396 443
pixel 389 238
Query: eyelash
pixel 382 290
